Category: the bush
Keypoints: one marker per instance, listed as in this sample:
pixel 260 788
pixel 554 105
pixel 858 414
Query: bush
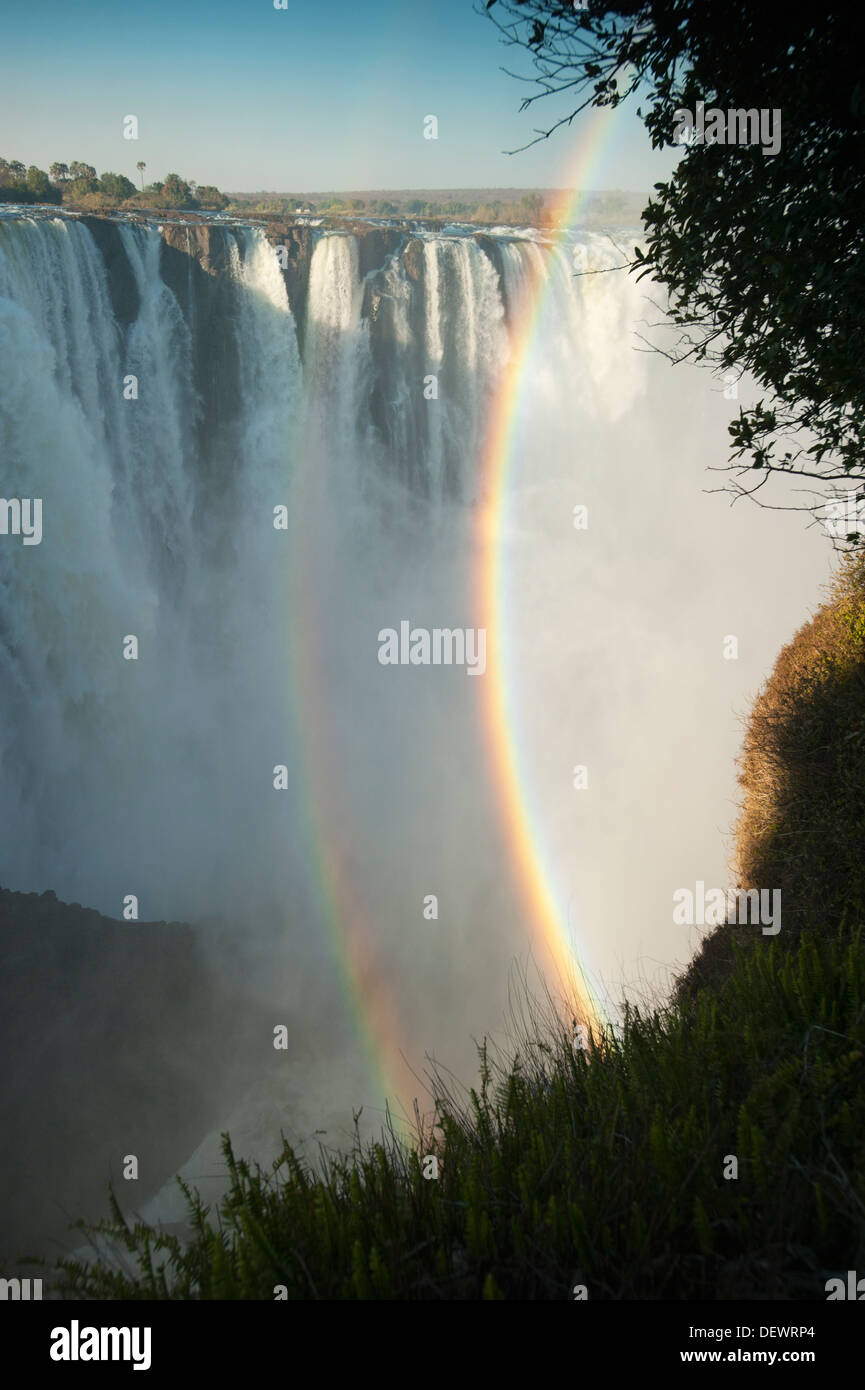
pixel 97 201
pixel 176 193
pixel 802 827
pixel 209 197
pixel 117 186
pixel 17 192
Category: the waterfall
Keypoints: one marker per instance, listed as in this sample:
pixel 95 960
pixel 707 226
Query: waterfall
pixel 165 392
pixel 157 506
pixel 337 348
pixel 155 399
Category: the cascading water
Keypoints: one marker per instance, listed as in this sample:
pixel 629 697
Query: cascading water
pixel 155 525
pixel 156 398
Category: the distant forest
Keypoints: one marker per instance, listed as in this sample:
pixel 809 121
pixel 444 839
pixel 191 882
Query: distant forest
pixel 535 207
pixel 78 185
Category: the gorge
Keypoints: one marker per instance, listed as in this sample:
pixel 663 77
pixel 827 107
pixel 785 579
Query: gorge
pixel 301 381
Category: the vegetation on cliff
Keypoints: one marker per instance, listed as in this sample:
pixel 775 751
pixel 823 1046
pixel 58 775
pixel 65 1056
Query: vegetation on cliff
pixel 609 1170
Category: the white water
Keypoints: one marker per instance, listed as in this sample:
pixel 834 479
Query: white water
pixel 119 775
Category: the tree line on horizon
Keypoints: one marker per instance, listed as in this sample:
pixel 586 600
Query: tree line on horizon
pixel 530 208
pixel 78 183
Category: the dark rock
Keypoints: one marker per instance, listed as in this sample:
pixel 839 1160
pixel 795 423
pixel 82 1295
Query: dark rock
pixel 413 259
pixel 493 251
pixel 125 300
pixel 299 243
pixel 375 244
pixel 115 1038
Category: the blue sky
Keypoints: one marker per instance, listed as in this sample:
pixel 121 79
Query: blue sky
pixel 323 95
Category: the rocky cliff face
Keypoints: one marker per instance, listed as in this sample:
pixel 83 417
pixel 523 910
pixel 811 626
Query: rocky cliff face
pixel 196 257
pixel 125 299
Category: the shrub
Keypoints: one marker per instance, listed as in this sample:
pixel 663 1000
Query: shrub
pixel 802 771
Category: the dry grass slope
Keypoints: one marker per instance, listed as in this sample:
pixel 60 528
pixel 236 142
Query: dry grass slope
pixel 802 773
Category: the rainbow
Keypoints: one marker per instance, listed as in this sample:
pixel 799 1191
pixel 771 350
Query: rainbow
pixel 351 936
pixel 351 939
pixel 547 920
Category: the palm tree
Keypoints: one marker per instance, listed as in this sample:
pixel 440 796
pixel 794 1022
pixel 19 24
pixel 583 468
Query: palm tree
pixel 141 166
